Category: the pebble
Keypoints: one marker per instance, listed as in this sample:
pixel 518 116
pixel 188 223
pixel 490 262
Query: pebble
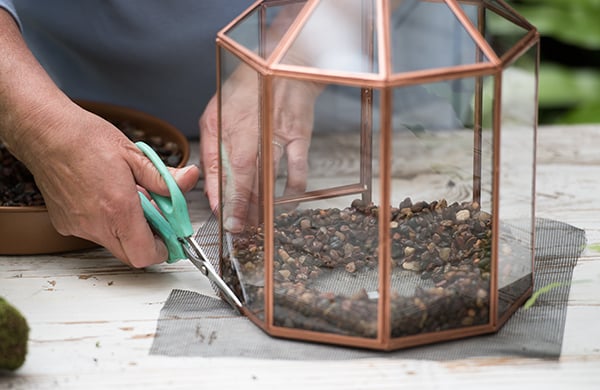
pixel 463 215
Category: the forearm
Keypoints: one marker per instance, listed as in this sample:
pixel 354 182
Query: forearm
pixel 26 92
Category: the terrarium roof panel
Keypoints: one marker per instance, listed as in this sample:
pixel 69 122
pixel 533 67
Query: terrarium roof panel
pixel 343 36
pixel 335 35
pixel 503 33
pixel 429 35
pixel 262 26
pixel 508 13
pixel 375 39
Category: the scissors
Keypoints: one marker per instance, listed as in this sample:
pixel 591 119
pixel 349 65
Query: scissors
pixel 173 224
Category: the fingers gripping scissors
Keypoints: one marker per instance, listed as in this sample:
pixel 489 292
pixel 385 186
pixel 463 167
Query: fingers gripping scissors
pixel 173 224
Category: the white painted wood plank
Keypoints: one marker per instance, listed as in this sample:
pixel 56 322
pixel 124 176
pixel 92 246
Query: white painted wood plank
pixel 184 373
pixel 92 319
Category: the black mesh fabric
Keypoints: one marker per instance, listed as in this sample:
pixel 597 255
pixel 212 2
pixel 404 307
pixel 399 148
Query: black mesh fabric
pixel 192 324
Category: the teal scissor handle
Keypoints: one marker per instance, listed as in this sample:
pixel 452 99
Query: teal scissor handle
pixel 162 227
pixel 172 223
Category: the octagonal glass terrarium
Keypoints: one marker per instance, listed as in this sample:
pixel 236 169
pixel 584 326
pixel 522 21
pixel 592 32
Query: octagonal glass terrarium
pixel 377 167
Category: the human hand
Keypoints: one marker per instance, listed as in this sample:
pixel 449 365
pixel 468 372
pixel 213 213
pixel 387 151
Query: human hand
pixel 89 174
pixel 293 113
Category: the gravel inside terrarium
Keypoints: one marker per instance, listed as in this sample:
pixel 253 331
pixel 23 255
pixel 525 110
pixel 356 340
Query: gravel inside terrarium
pixel 326 262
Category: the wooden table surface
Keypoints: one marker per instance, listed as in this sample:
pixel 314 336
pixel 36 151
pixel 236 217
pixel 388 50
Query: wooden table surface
pixel 93 320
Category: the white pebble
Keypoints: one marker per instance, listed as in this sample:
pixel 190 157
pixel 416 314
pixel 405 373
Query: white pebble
pixel 463 215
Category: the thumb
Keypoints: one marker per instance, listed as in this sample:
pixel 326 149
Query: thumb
pixel 147 175
pixel 186 177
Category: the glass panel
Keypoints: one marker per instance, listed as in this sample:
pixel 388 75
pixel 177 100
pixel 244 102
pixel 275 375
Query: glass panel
pixel 239 95
pixel 506 12
pixel 517 170
pixel 502 31
pixel 323 238
pixel 336 148
pixel 247 31
pixel 427 35
pixel 441 221
pixel 325 275
pixel 339 36
pixel 262 29
pixel 325 265
pixel 471 10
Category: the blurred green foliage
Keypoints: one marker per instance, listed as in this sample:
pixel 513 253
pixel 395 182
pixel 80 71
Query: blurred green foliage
pixel 569 90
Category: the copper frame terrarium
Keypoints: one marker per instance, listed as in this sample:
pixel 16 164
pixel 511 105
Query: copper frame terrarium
pixel 431 107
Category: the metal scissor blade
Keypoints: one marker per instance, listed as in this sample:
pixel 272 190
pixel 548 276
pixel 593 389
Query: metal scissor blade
pixel 199 259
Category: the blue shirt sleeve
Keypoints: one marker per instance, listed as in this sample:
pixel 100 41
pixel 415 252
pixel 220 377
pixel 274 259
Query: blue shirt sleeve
pixel 10 7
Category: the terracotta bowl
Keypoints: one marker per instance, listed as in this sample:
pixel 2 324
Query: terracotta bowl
pixel 26 230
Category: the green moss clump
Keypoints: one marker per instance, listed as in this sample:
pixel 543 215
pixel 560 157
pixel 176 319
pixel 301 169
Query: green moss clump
pixel 14 334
